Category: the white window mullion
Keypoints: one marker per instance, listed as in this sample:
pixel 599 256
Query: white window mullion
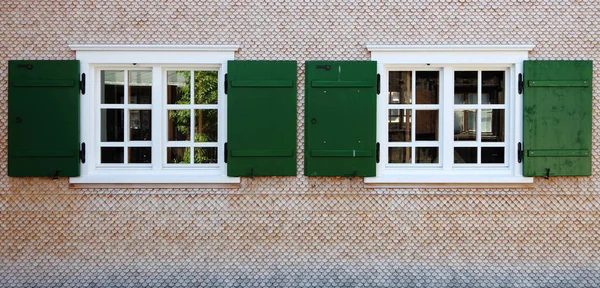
pixel 159 94
pixel 192 116
pixel 126 116
pixel 447 105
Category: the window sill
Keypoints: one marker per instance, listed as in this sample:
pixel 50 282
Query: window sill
pixel 448 181
pixel 164 180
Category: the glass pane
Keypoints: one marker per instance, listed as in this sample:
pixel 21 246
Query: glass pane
pixel 140 87
pixel 178 155
pixel 427 87
pixel 492 89
pixel 179 125
pixel 205 87
pixel 400 84
pixel 465 87
pixel 178 87
pixel 113 90
pixel 465 155
pixel 399 121
pixel 427 125
pixel 206 125
pixel 427 155
pixel 465 125
pixel 399 155
pixel 492 154
pixel 140 154
pixel 140 125
pixel 112 126
pixel 111 155
pixel 492 125
pixel 205 155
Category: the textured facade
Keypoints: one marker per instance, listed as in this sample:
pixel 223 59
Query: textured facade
pixel 299 231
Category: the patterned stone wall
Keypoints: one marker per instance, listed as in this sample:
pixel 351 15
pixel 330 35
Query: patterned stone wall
pixel 299 231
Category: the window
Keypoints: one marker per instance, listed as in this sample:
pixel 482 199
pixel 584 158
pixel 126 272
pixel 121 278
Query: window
pixel 154 114
pixel 448 114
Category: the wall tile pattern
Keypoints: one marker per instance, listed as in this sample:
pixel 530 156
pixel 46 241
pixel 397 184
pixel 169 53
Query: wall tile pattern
pixel 299 231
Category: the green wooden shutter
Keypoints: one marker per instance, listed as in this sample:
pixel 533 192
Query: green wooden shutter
pixel 43 118
pixel 261 118
pixel 557 111
pixel 340 118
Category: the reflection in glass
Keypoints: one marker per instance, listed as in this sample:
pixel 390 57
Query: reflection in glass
pixel 465 125
pixel 112 125
pixel 399 125
pixel 427 90
pixel 206 87
pixel 111 155
pixel 465 155
pixel 140 154
pixel 399 155
pixel 179 125
pixel 427 125
pixel 492 154
pixel 178 87
pixel 400 84
pixel 205 129
pixel 140 87
pixel 112 88
pixel 178 155
pixel 465 87
pixel 140 125
pixel 426 155
pixel 492 125
pixel 492 87
pixel 205 155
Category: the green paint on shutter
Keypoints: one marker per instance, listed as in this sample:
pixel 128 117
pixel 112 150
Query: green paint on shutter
pixel 340 118
pixel 43 118
pixel 557 111
pixel 261 118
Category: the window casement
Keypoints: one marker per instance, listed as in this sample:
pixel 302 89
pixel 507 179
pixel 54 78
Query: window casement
pixel 154 114
pixel 448 115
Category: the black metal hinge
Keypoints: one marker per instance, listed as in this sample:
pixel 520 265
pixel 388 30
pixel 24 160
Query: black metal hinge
pixel 82 84
pixel 519 152
pixel 520 83
pixel 378 84
pixel 225 83
pixel 226 156
pixel 82 153
pixel 377 153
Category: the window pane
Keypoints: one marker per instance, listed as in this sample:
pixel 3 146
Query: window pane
pixel 179 155
pixel 112 88
pixel 427 87
pixel 205 155
pixel 178 87
pixel 399 155
pixel 140 125
pixel 427 125
pixel 427 155
pixel 465 125
pixel 205 87
pixel 111 155
pixel 112 127
pixel 492 154
pixel 140 87
pixel 179 125
pixel 465 155
pixel 465 87
pixel 400 84
pixel 140 154
pixel 399 121
pixel 492 125
pixel 206 125
pixel 492 89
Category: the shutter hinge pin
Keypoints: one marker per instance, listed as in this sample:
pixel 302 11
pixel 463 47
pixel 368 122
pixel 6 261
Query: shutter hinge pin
pixel 377 153
pixel 226 154
pixel 520 84
pixel 519 152
pixel 82 153
pixel 225 84
pixel 378 83
pixel 82 84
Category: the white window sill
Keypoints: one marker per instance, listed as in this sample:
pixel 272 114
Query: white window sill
pixel 448 181
pixel 153 180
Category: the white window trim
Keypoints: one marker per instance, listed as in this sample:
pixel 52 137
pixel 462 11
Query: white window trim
pixel 94 57
pixel 424 56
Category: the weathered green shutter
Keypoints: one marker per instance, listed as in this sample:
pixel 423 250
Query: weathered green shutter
pixel 261 118
pixel 340 118
pixel 557 111
pixel 43 118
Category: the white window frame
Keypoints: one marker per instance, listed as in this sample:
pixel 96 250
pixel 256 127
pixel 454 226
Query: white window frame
pixel 448 58
pixel 94 58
